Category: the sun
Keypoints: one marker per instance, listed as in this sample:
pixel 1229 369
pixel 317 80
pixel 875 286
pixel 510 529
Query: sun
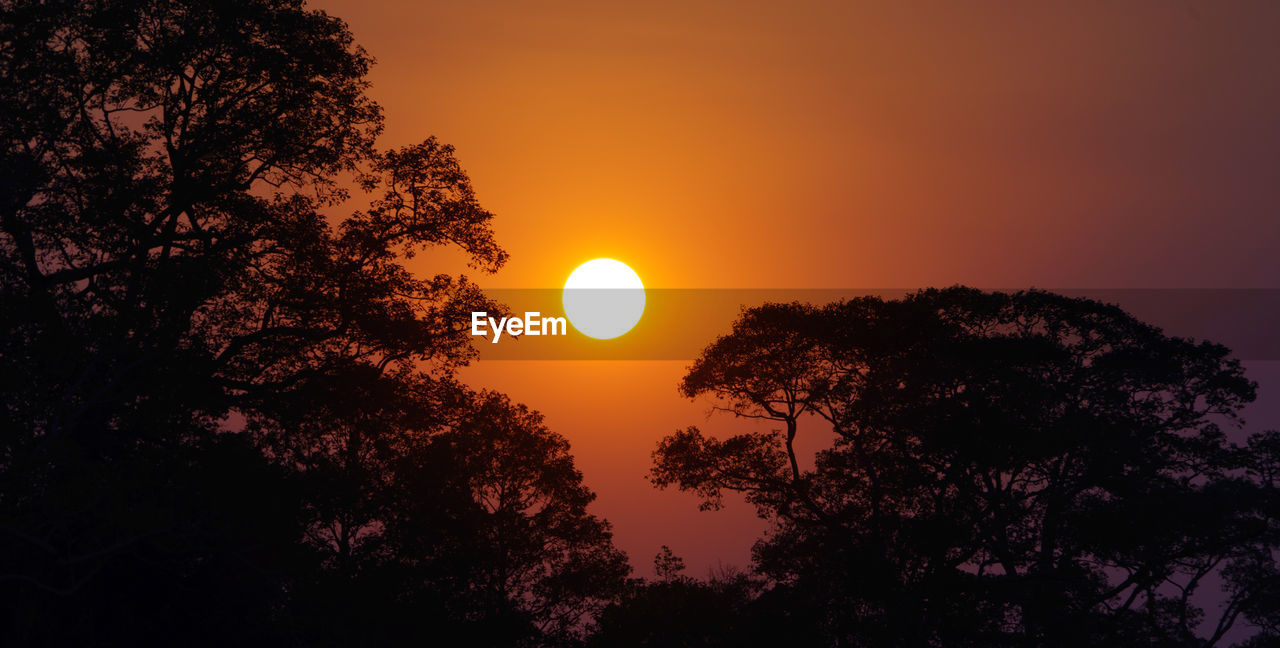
pixel 603 298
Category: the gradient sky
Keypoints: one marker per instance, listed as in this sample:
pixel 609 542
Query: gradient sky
pixel 832 145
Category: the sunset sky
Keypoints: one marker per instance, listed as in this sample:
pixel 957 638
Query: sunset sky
pixel 832 145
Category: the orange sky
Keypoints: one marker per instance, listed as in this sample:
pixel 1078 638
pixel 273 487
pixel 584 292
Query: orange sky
pixel 832 144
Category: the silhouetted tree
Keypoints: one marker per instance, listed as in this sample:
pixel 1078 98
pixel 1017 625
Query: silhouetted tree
pixel 667 565
pixel 1254 580
pixel 1007 469
pixel 229 412
pixel 676 611
pixel 765 371
pixel 471 528
pixel 531 542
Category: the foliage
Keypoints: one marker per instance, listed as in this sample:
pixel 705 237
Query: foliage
pixel 1007 469
pixel 679 611
pixel 230 414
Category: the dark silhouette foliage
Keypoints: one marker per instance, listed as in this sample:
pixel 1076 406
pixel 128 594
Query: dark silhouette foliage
pixel 1006 469
pixel 677 611
pixel 230 415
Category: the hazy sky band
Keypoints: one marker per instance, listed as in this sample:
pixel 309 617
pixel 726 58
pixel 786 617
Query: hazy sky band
pixel 678 323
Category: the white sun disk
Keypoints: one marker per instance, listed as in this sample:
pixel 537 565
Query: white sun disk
pixel 603 298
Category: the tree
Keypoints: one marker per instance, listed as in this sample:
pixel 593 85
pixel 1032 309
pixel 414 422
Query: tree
pixel 533 544
pixel 217 389
pixel 471 529
pixel 667 565
pixel 764 371
pixel 1008 469
pixel 678 611
pixel 138 140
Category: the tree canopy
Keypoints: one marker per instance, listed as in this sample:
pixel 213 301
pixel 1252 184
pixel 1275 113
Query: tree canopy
pixel 230 411
pixel 1006 469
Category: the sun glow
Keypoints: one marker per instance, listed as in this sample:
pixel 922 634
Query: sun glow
pixel 603 298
